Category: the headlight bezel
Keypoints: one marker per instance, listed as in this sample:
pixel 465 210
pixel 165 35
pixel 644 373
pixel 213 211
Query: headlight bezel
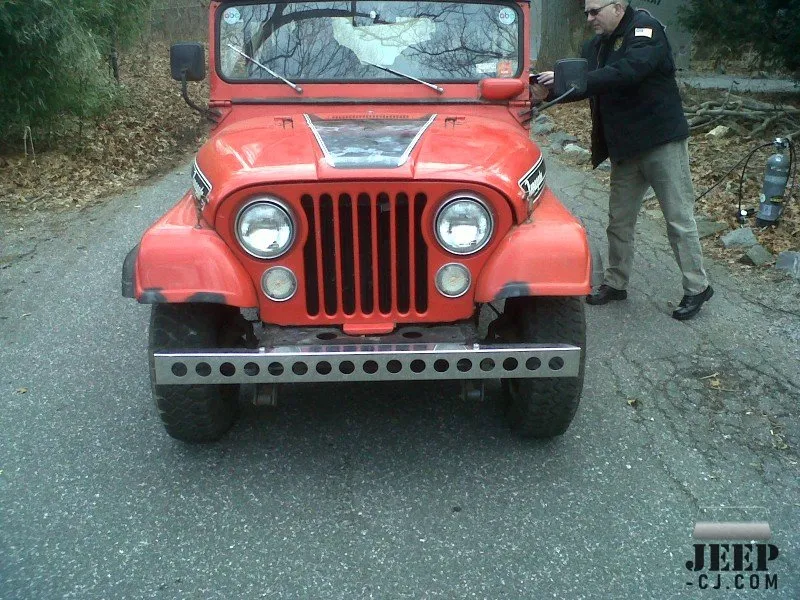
pixel 459 197
pixel 280 205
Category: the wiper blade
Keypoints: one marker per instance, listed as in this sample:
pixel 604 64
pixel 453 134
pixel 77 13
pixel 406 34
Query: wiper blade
pixel 294 86
pixel 406 75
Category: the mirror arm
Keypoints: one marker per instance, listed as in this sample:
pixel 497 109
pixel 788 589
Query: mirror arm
pixel 211 115
pixel 546 105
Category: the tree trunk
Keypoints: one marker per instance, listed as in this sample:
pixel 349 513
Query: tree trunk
pixel 563 28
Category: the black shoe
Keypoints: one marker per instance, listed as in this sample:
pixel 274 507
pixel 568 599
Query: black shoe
pixel 690 305
pixel 605 294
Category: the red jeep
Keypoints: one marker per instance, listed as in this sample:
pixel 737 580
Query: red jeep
pixel 368 188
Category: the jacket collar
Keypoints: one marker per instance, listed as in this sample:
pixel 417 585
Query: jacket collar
pixel 624 23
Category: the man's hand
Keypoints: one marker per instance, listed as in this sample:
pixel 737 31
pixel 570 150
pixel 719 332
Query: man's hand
pixel 545 78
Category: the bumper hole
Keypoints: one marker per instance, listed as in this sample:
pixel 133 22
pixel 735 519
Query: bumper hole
pixel 412 335
pixel 441 365
pixel 533 364
pixel 275 369
pixel 179 370
pixel 347 367
pixel 394 366
pixel 326 336
pixel 324 367
pixel 487 364
pixel 299 368
pixel 464 365
pixel 203 369
pixel 227 369
pixel 251 369
pixel 417 366
pixel 557 363
pixel 510 364
pixel 370 367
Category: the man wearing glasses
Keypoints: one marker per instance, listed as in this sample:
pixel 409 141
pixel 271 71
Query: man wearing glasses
pixel 638 121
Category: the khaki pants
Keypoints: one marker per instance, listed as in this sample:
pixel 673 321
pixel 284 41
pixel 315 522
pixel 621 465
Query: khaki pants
pixel 666 169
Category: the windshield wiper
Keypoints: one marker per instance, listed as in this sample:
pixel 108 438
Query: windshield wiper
pixel 294 86
pixel 407 76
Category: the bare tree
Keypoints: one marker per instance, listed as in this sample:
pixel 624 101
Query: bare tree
pixel 563 27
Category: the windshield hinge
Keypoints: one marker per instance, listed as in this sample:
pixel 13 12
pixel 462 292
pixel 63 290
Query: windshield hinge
pixel 220 104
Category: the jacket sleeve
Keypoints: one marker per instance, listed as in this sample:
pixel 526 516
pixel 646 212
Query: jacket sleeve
pixel 643 56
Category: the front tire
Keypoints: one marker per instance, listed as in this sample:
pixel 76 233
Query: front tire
pixel 545 407
pixel 192 413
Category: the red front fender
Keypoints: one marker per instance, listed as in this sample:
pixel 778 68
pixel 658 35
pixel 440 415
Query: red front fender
pixel 180 262
pixel 548 255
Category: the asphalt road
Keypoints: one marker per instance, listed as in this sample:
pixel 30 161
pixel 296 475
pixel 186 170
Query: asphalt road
pixel 388 491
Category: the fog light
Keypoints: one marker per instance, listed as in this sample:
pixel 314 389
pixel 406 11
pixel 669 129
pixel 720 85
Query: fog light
pixel 279 284
pixel 453 280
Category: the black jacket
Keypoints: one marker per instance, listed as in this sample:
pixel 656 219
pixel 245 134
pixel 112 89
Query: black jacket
pixel 632 90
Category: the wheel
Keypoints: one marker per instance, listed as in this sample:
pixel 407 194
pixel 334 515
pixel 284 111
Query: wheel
pixel 193 413
pixel 545 407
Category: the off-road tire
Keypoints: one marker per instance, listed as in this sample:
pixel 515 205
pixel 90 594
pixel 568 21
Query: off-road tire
pixel 545 407
pixel 192 413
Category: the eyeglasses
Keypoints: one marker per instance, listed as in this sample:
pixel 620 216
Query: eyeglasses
pixel 593 12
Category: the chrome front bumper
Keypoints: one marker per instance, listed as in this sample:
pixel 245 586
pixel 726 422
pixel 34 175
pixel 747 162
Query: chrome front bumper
pixel 367 362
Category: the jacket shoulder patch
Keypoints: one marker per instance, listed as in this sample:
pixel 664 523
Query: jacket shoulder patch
pixel 643 32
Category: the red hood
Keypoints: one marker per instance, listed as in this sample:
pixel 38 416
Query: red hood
pixel 310 148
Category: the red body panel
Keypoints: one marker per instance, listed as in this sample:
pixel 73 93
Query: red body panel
pixel 180 262
pixel 545 256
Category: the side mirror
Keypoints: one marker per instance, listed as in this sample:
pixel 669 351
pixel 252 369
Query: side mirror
pixel 189 58
pixel 570 72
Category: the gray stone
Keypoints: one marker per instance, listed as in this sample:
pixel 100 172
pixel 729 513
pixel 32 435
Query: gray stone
pixel 578 155
pixel 649 194
pixel 604 166
pixel 543 128
pixel 707 228
pixel 557 149
pixel 757 256
pixel 561 139
pixel 739 238
pixel 543 119
pixel 790 263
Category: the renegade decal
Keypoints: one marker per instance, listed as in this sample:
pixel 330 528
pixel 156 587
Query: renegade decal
pixel 201 185
pixel 532 183
pixel 367 143
pixel 643 32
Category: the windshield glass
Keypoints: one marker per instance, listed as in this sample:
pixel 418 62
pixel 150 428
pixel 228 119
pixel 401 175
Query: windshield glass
pixel 337 41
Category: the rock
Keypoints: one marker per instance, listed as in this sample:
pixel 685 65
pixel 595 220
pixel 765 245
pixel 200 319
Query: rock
pixel 556 149
pixel 561 139
pixel 790 263
pixel 649 194
pixel 605 166
pixel 543 119
pixel 707 228
pixel 543 128
pixel 757 256
pixel 719 132
pixel 739 238
pixel 579 155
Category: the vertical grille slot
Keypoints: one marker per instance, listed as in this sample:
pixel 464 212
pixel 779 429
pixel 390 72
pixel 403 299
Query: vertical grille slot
pixel 365 243
pixel 420 256
pixel 386 264
pixel 310 257
pixel 365 255
pixel 347 254
pixel 403 262
pixel 328 245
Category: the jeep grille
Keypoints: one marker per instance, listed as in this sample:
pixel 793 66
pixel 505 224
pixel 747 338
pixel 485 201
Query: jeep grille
pixel 372 245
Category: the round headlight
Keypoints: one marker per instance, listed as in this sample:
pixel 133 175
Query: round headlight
pixel 279 284
pixel 464 225
pixel 265 228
